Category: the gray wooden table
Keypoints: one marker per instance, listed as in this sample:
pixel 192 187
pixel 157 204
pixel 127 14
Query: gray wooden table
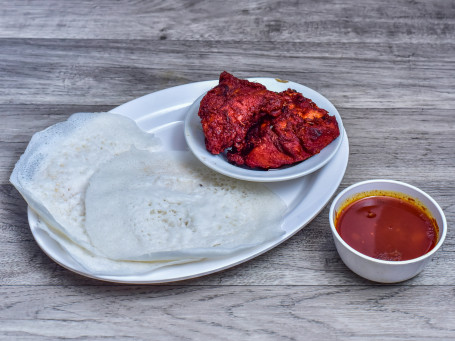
pixel 389 68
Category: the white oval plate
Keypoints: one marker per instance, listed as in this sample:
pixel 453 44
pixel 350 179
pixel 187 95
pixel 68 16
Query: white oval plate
pixel 196 140
pixel 163 113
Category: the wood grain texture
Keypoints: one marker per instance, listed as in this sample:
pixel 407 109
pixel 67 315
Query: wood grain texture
pixel 319 21
pixel 115 71
pixel 388 67
pixel 227 312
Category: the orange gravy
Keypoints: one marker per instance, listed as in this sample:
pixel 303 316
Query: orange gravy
pixel 388 227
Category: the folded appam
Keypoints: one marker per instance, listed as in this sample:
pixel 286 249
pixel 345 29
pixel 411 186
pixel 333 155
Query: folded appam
pixel 54 170
pixel 145 205
pixel 97 265
pixel 106 193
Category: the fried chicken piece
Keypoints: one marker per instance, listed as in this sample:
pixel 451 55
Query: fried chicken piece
pixel 231 108
pixel 285 140
pixel 262 150
pixel 279 129
pixel 301 131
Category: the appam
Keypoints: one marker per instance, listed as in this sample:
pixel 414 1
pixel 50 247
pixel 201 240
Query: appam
pixel 53 172
pixel 87 177
pixel 145 205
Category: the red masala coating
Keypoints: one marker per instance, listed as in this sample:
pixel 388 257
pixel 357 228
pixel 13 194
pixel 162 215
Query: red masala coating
pixel 261 128
pixel 230 109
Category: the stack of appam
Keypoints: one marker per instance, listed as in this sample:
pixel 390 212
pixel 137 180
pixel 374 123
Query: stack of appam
pixel 118 205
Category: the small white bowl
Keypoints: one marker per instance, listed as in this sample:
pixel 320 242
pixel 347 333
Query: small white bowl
pixel 196 140
pixel 380 270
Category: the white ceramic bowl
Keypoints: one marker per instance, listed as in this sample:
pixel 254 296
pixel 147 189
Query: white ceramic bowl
pixel 196 140
pixel 380 270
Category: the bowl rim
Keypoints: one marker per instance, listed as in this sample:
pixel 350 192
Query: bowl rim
pixel 442 235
